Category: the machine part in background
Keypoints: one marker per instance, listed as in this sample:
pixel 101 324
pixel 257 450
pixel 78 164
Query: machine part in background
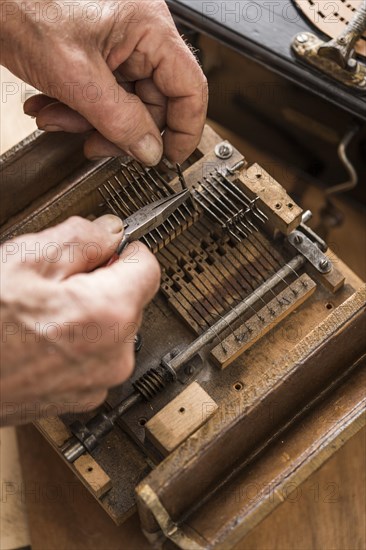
pixel 337 58
pixel 260 91
pixel 333 18
pixel 330 215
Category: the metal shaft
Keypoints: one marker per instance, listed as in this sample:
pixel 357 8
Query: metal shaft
pixel 100 427
pixel 293 265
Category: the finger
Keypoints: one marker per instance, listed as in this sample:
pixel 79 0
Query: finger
pixel 155 101
pixel 97 147
pixel 57 117
pixel 34 104
pixel 119 116
pixel 186 90
pixel 74 246
pixel 121 290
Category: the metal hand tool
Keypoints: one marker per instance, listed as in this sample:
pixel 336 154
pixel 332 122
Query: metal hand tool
pixel 148 218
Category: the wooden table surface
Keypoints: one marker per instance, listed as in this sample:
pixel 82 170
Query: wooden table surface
pixel 327 512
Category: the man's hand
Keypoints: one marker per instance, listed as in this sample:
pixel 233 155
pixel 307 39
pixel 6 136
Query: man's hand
pixel 68 323
pixel 116 68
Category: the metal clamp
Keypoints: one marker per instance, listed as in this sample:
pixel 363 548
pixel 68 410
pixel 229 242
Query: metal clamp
pixel 336 57
pixel 310 250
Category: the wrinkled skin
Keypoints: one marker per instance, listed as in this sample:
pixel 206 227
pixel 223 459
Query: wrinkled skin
pixel 124 75
pixel 68 323
pixel 75 57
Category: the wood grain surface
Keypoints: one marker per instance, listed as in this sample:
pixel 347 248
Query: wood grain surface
pixel 327 512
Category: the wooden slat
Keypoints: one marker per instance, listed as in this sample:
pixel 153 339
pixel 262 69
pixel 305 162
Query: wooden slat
pixel 258 325
pixel 281 210
pixel 180 418
pixel 95 478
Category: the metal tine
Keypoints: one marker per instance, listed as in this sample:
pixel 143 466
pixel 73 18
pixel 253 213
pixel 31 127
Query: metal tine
pixel 256 211
pixel 146 240
pixel 234 235
pixel 147 197
pixel 113 198
pixel 232 221
pixel 160 236
pixel 107 201
pixel 214 178
pixel 241 214
pixel 136 206
pixel 155 192
pixel 129 196
pixel 166 189
pixel 120 198
pixel 248 208
pixel 169 190
pixel 210 192
pixel 136 191
pixel 154 195
pixel 221 213
pixel 125 190
pixel 205 207
pixel 229 223
pixel 240 195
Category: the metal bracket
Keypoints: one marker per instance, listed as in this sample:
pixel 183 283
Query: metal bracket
pixel 336 57
pixel 310 251
pixel 307 46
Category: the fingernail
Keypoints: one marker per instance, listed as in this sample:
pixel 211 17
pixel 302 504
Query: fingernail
pixel 113 224
pixel 148 150
pixel 51 128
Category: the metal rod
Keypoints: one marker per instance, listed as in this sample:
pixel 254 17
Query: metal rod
pixel 296 263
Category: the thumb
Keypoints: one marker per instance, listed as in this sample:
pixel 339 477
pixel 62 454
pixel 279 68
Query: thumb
pixel 118 115
pixel 74 246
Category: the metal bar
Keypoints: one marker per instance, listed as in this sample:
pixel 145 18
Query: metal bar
pixel 296 263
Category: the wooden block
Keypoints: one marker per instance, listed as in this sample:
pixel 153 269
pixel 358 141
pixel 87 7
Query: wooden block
pixel 180 418
pixel 267 318
pixel 54 429
pixel 97 481
pixel 273 200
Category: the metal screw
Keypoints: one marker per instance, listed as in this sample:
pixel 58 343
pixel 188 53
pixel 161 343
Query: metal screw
pixel 298 239
pixel 189 370
pixel 324 264
pixel 341 40
pixel 224 150
pixel 302 38
pixel 352 64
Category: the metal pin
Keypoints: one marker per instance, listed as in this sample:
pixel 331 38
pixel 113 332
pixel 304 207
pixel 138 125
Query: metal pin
pixel 105 187
pixel 241 196
pixel 107 201
pixel 205 207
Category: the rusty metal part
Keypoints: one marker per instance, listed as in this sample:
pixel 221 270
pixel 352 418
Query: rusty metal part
pixel 334 58
pixel 341 49
pixel 263 321
pixel 207 337
pixel 332 18
pixel 310 251
pixel 86 437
